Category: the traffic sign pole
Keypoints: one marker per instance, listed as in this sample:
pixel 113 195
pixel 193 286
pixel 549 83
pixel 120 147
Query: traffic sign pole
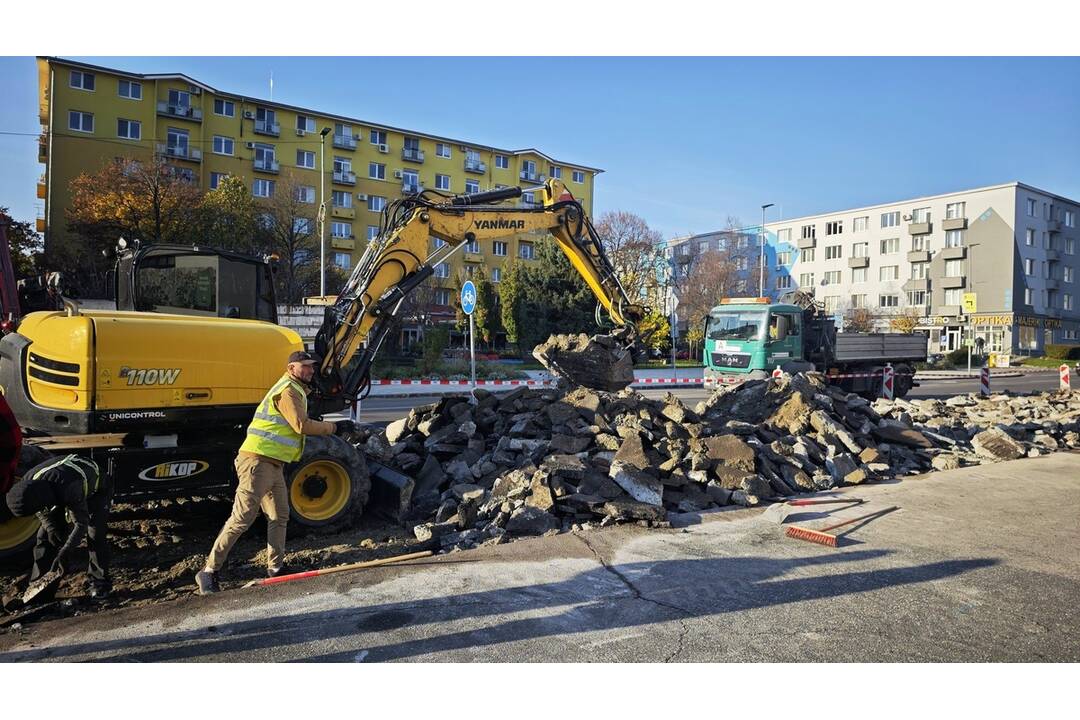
pixel 472 349
pixel 468 305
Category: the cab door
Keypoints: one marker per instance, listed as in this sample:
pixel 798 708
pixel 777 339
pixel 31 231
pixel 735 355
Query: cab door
pixel 784 340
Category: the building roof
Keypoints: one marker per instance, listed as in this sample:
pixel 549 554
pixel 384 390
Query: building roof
pixel 294 108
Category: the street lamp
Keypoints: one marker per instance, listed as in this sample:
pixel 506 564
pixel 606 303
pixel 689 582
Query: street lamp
pixel 322 211
pixel 971 275
pixel 761 260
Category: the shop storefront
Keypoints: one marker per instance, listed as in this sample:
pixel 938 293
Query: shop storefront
pixel 1006 333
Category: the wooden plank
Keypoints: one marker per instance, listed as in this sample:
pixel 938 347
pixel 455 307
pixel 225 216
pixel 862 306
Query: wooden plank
pixel 77 442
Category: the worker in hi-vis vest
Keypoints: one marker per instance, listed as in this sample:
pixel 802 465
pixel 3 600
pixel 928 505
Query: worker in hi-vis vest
pixel 275 438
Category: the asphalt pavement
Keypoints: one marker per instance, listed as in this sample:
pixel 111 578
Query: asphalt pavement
pixel 976 565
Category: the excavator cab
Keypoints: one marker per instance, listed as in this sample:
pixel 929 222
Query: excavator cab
pixel 193 280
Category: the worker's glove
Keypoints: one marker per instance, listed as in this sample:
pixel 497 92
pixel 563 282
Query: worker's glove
pixel 344 427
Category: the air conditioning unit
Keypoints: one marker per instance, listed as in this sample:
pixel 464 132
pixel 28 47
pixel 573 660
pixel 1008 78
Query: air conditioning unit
pixel 384 148
pixel 397 174
pixel 362 197
pixel 249 115
pixel 463 148
pixel 251 146
pixel 300 133
pixel 196 90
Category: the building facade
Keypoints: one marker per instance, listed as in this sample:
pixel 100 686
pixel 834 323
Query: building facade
pixel 996 265
pixel 91 115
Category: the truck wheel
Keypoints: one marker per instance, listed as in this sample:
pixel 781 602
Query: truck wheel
pixel 329 485
pixel 17 535
pixel 903 380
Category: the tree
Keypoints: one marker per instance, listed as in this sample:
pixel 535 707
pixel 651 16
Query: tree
pixel 702 281
pixel 287 227
pixel 487 309
pixel 25 244
pixel 511 298
pixel 694 335
pixel 656 330
pixel 906 321
pixel 636 251
pixel 228 218
pixel 859 320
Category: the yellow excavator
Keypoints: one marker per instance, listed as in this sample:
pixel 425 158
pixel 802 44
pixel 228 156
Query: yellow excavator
pixel 159 391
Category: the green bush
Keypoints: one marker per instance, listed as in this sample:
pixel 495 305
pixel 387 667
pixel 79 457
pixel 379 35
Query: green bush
pixel 435 341
pixel 1063 352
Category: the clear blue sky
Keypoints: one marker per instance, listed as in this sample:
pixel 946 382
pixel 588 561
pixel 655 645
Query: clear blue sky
pixel 684 142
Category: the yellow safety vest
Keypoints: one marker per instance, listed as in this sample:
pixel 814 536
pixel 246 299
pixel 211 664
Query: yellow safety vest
pixel 269 433
pixel 85 468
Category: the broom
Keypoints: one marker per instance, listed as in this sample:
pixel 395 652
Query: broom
pixel 823 536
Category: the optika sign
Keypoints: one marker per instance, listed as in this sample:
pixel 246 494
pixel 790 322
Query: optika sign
pixel 500 224
pixel 153 376
pixel 174 470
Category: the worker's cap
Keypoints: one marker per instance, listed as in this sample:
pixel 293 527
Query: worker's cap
pixel 303 356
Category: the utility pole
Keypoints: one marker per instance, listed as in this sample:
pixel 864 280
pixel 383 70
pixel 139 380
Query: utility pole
pixel 322 211
pixel 761 259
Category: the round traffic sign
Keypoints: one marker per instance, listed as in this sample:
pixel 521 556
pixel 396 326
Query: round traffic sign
pixel 468 297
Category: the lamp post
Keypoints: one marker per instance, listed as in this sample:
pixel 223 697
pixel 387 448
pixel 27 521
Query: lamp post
pixel 322 211
pixel 761 260
pixel 971 274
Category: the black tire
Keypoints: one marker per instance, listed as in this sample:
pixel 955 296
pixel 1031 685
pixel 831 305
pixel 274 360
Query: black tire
pixel 328 486
pixel 17 535
pixel 904 380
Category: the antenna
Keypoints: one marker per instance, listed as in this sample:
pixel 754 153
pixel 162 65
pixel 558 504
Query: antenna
pixel 271 86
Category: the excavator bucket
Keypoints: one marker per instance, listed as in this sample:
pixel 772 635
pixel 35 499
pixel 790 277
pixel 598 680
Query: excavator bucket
pixel 600 362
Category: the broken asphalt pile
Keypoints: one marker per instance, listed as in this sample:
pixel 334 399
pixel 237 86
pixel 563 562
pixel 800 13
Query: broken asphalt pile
pixel 531 462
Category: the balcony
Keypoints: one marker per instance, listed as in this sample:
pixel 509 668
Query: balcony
pixel 409 188
pixel 343 243
pixel 268 127
pixel 917 284
pixel 948 310
pixel 345 177
pixel 922 228
pixel 953 253
pixel 43 148
pixel 475 166
pixel 39 224
pixel 343 212
pixel 533 177
pixel 807 243
pixel 1053 254
pixel 415 155
pixel 267 165
pixel 1053 284
pixel 954 224
pixel 183 112
pixel 952 283
pixel 918 256
pixel 181 152
pixel 41 188
pixel 473 257
pixel 345 142
pixel 1053 226
pixel 858 262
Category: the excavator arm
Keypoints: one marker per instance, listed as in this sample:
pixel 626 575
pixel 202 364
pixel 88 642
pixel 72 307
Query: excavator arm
pixel 400 259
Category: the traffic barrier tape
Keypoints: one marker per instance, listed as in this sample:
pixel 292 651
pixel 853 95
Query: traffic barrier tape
pixel 441 381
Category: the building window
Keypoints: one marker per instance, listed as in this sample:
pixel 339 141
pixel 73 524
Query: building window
pixel 783 258
pixel 832 277
pixel 129 129
pixel 742 263
pixel 890 219
pixel 340 229
pixel 376 171
pixel 305 159
pixel 861 224
pixel 442 270
pixel 501 161
pixel 1029 267
pixel 916 298
pixel 262 188
pixel 410 181
pixel 341 199
pixel 130 90
pixel 305 194
pixel 225 108
pixel 954 238
pixel 1068 273
pixel 1028 298
pixel 499 248
pixel 525 250
pixel 378 137
pixel 555 171
pixel 889 272
pixel 496 275
pixel 1066 302
pixel 954 268
pixel 437 242
pixel 1070 246
pixel 809 232
pixel 860 249
pixel 890 245
pixel 832 303
pixel 372 232
pixel 442 295
pixel 783 235
pixel 472 186
pixel 1031 207
pixel 265 157
pixel 858 301
pixel 832 252
pixel 1029 237
pixel 834 227
pixel 179 101
pixel 303 226
pixel 473 246
pixel 920 243
pixel 442 150
pixel 954 211
pixel 888 301
pixel 1070 218
pixel 216 178
pixel 376 203
pixel 305 124
pixel 81 121
pixel 223 145
pixel 920 215
pixel 579 177
pixel 442 182
pixel 858 275
pixel 920 271
pixel 82 80
pixel 806 280
pixel 783 282
pixel 807 255
pixel 952 296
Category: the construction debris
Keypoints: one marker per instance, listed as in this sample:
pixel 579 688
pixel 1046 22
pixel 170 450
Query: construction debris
pixel 530 461
pixel 601 362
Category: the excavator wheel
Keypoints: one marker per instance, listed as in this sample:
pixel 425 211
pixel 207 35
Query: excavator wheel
pixel 17 535
pixel 329 485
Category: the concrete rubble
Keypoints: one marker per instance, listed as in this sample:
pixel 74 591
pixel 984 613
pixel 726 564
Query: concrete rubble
pixel 602 362
pixel 532 461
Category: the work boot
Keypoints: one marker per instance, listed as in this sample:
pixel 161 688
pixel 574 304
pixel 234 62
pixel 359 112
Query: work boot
pixel 207 582
pixel 275 572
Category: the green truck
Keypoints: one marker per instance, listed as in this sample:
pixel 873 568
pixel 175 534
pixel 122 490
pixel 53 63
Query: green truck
pixel 748 338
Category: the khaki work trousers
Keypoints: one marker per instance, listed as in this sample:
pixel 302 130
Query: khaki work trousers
pixel 262 485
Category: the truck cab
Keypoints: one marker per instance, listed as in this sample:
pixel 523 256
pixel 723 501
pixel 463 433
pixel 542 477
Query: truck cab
pixel 745 338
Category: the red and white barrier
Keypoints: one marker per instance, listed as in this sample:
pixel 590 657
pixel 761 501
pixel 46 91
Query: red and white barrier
pixel 777 372
pixel 1063 375
pixel 887 382
pixel 984 381
pixel 534 383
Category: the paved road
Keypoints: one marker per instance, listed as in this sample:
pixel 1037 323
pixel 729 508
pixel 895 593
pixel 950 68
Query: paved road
pixel 381 410
pixel 976 566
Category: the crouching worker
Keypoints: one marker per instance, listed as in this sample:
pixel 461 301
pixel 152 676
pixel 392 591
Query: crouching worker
pixel 275 438
pixel 58 486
